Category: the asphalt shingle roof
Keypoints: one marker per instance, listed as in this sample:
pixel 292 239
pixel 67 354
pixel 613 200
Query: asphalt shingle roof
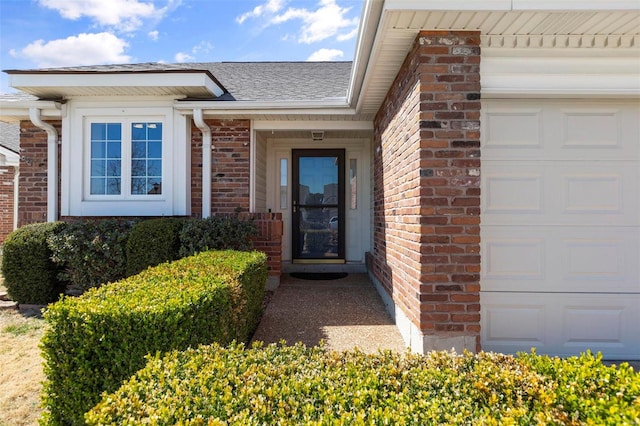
pixel 249 81
pixel 10 136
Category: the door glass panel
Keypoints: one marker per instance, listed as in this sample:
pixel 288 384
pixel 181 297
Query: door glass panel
pixel 318 204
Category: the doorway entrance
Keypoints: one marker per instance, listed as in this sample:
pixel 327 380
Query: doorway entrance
pixel 318 231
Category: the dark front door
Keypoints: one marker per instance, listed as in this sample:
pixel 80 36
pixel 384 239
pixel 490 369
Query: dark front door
pixel 318 205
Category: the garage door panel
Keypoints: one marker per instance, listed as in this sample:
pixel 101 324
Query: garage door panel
pixel 540 130
pixel 572 193
pixel 560 259
pixel 560 226
pixel 561 324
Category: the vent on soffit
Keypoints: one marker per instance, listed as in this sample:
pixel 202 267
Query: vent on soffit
pixel 317 136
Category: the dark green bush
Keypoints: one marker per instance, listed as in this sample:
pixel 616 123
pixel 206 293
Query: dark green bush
pixel 152 242
pixel 216 233
pixel 92 252
pixel 29 274
pixel 296 385
pixel 99 339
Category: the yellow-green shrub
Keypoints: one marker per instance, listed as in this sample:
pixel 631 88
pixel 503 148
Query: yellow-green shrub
pixel 297 385
pixel 99 339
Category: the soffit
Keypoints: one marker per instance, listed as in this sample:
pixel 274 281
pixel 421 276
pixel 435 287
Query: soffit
pixel 397 29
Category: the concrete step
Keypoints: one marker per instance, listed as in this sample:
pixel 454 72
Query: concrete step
pixel 4 296
pixel 6 305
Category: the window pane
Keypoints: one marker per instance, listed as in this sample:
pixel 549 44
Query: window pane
pixel 138 150
pixel 154 186
pixel 146 162
pixel 353 182
pixel 113 186
pixel 284 193
pixel 105 144
pixel 113 168
pixel 155 149
pixel 113 149
pixel 138 168
pixel 98 131
pixel 114 132
pixel 98 150
pixel 98 168
pixel 154 131
pixel 97 186
pixel 154 168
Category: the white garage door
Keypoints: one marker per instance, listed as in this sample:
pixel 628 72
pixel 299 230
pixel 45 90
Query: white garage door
pixel 561 227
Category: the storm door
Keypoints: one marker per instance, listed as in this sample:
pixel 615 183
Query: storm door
pixel 318 206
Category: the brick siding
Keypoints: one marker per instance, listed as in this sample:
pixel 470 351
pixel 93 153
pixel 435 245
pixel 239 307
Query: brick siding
pixel 427 186
pixel 32 187
pixel 7 176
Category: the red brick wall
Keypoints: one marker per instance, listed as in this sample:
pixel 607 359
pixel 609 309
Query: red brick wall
pixel 269 239
pixel 32 191
pixel 427 185
pixel 229 166
pixel 7 175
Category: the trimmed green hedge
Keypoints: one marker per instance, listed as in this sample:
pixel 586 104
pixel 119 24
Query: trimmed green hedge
pixel 297 385
pixel 152 242
pixel 101 338
pixel 216 233
pixel 29 274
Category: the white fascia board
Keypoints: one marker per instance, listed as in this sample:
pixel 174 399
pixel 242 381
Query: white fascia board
pixel 311 125
pixel 505 5
pixel 19 110
pixel 280 107
pixel 146 79
pixel 573 5
pixel 447 5
pixel 12 158
pixel 371 13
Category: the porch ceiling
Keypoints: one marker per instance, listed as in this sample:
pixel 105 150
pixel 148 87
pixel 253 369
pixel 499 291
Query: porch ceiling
pixel 400 23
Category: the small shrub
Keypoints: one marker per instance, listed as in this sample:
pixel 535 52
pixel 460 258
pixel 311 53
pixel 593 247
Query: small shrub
pixel 91 252
pixel 297 385
pixel 29 274
pixel 216 233
pixel 152 242
pixel 101 338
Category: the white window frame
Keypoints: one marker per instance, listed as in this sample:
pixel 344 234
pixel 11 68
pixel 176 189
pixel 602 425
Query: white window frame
pixel 76 199
pixel 125 158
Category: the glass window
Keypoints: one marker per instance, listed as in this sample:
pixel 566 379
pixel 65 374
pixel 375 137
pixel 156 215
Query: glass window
pixel 353 182
pixel 146 158
pixel 125 152
pixel 284 195
pixel 106 159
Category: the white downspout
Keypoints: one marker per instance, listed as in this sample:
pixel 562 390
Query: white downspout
pixel 52 163
pixel 206 161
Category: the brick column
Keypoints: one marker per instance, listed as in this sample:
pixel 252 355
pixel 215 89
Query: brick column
pixel 427 191
pixel 7 190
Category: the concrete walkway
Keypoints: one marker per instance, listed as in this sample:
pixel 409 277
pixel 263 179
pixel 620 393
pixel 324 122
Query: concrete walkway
pixel 345 313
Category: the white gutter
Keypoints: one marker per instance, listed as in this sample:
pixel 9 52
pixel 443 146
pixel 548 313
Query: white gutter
pixel 52 163
pixel 206 161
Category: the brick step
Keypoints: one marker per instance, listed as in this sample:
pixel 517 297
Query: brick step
pixel 6 305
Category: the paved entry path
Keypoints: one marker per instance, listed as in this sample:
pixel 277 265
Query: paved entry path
pixel 345 313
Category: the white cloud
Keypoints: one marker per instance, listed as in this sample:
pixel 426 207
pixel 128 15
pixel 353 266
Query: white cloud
pixel 83 49
pixel 153 35
pixel 123 15
pixel 348 36
pixel 202 48
pixel 269 7
pixel 183 57
pixel 324 55
pixel 327 21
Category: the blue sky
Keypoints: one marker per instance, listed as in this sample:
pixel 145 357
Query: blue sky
pixel 54 33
